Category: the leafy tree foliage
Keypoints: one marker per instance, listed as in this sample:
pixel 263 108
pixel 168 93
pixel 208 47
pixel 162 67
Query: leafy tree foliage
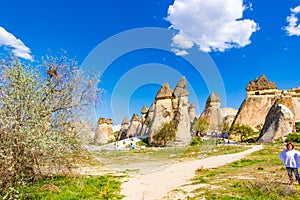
pixel 165 134
pixel 244 131
pixel 36 117
pixel 200 126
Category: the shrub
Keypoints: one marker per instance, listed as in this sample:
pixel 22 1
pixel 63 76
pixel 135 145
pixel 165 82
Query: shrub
pixel 200 126
pixel 165 134
pixel 196 141
pixel 293 137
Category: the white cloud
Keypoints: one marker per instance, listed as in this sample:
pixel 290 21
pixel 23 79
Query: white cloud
pixel 293 28
pixel 18 47
pixel 179 52
pixel 212 24
pixel 182 42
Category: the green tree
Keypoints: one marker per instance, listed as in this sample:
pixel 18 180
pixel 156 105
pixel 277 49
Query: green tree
pixel 242 130
pixel 200 126
pixel 36 117
pixel 166 133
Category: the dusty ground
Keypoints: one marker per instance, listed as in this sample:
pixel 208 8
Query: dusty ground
pixel 144 185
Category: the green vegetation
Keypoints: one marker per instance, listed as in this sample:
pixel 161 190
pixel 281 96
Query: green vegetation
pixel 245 132
pixel 37 135
pixel 196 141
pixel 293 137
pixel 166 134
pixel 200 126
pixel 259 176
pixel 74 187
pixel 297 125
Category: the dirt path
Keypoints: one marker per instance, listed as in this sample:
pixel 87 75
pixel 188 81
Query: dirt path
pixel 157 184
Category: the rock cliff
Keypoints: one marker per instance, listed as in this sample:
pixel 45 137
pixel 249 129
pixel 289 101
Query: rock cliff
pixel 212 113
pixel 280 121
pixel 261 97
pixel 104 131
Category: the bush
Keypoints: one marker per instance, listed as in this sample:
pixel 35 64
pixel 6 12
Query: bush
pixel 293 137
pixel 196 141
pixel 166 134
pixel 244 131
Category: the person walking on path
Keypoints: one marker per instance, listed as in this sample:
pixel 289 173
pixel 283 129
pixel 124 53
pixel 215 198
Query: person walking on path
pixel 290 158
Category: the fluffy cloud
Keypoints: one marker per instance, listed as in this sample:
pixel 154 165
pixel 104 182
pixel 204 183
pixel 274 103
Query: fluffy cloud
pixel 18 47
pixel 212 24
pixel 293 28
pixel 180 43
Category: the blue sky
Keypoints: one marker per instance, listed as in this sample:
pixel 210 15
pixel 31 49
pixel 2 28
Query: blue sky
pixel 244 39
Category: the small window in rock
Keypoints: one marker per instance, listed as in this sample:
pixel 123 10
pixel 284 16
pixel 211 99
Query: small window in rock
pixel 256 93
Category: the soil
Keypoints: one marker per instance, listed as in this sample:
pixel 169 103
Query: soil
pixel 144 184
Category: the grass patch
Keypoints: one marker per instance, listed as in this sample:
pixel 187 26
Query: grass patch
pixel 261 175
pixel 74 187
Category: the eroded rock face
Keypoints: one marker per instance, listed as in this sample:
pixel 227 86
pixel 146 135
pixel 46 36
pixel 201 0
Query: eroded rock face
pixel 228 115
pixel 135 126
pixel 261 83
pixel 104 131
pixel 192 113
pixel 171 106
pixel 279 122
pixel 261 96
pixel 254 110
pixel 212 113
pixel 164 92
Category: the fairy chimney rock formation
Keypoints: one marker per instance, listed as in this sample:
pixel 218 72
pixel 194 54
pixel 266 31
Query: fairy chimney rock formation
pixel 261 83
pixel 164 92
pixel 104 131
pixel 192 113
pixel 261 95
pixel 212 113
pixel 279 121
pixel 124 124
pixel 170 106
pixel 135 126
pixel 180 90
pixel 144 110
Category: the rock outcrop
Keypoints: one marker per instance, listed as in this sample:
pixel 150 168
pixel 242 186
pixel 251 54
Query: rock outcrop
pixel 135 126
pixel 170 106
pixel 261 96
pixel 192 113
pixel 228 115
pixel 261 83
pixel 280 121
pixel 104 131
pixel 212 113
pixel 182 118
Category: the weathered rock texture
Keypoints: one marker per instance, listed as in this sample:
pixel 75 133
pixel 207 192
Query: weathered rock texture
pixel 192 114
pixel 170 106
pixel 212 113
pixel 261 96
pixel 104 131
pixel 280 121
pixel 135 126
pixel 228 115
